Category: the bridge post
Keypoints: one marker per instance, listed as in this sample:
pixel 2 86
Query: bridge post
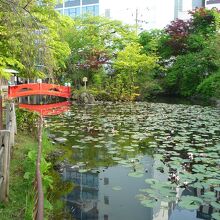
pixel 5 164
pixel 11 122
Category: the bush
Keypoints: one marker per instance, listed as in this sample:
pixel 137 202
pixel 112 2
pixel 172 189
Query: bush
pixel 210 87
pixel 26 120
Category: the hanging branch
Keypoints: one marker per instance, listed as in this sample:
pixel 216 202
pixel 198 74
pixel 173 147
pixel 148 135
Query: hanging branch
pixel 27 4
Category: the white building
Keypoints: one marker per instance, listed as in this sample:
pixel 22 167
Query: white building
pixel 148 14
pixel 212 4
pixel 182 7
pixel 74 8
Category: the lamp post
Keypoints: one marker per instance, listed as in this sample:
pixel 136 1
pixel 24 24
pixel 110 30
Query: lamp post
pixel 85 79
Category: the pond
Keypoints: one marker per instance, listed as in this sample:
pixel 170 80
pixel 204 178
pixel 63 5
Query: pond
pixel 144 161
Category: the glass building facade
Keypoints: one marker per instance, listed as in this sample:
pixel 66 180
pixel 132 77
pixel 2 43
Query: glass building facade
pixel 182 7
pixel 74 8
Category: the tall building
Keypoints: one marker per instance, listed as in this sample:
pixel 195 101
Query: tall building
pixel 212 4
pixel 149 14
pixel 145 14
pixel 181 8
pixel 74 8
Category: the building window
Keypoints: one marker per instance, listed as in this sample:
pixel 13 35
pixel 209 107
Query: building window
pixel 197 4
pixel 107 13
pixel 89 2
pixel 71 3
pixel 180 5
pixel 93 10
pixel 213 2
pixel 106 200
pixel 106 181
pixel 72 12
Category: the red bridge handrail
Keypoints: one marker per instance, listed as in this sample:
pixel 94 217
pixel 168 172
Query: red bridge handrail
pixel 39 89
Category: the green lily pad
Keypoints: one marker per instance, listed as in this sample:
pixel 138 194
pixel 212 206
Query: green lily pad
pixel 150 203
pixel 117 188
pixel 216 216
pixel 151 181
pixel 190 202
pixel 215 205
pixel 136 174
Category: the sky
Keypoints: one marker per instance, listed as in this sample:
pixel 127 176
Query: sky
pixel 158 13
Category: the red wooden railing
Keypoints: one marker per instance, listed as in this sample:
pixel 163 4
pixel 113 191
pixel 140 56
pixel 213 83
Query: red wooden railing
pixel 48 109
pixel 39 89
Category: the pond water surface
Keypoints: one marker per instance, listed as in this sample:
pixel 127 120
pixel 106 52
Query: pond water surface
pixel 143 161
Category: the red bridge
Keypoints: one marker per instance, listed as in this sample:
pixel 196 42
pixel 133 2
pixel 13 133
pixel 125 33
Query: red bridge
pixel 39 89
pixel 48 109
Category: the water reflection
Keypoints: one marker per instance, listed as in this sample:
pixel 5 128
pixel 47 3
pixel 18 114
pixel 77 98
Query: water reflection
pixel 94 198
pixel 101 194
pixel 82 201
pixel 51 106
pixel 106 141
pixel 48 109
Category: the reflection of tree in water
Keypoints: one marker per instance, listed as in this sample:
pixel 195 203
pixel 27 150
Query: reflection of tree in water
pixel 82 201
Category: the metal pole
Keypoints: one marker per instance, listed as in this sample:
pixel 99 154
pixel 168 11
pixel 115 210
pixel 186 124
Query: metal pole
pixel 85 85
pixel 136 20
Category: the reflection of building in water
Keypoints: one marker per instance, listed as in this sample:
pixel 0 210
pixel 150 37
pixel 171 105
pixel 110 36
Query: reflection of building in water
pixel 205 211
pixel 162 211
pixel 82 201
pixel 94 198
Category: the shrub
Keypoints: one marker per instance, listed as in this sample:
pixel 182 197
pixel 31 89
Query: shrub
pixel 210 87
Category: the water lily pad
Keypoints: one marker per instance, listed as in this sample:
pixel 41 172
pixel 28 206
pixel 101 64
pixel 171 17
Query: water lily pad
pixel 83 170
pixel 216 216
pixel 215 205
pixel 117 188
pixel 60 139
pixel 190 202
pixel 217 189
pixel 150 203
pixel 151 181
pixel 136 174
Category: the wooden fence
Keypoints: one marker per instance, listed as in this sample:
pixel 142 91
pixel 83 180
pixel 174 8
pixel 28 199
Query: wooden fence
pixel 7 138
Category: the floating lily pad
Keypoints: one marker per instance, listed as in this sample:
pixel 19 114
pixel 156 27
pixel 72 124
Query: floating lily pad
pixel 136 174
pixel 83 170
pixel 150 203
pixel 190 202
pixel 60 139
pixel 216 216
pixel 117 188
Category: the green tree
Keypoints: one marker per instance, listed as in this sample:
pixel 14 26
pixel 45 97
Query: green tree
pixel 194 56
pixel 94 42
pixel 131 66
pixel 31 37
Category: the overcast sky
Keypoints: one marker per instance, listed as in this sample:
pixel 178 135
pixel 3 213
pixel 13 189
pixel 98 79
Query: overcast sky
pixel 157 13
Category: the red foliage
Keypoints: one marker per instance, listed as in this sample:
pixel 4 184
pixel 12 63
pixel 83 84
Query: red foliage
pixel 178 32
pixel 93 60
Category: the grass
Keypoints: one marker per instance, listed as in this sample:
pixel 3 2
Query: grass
pixel 22 174
pixel 19 205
